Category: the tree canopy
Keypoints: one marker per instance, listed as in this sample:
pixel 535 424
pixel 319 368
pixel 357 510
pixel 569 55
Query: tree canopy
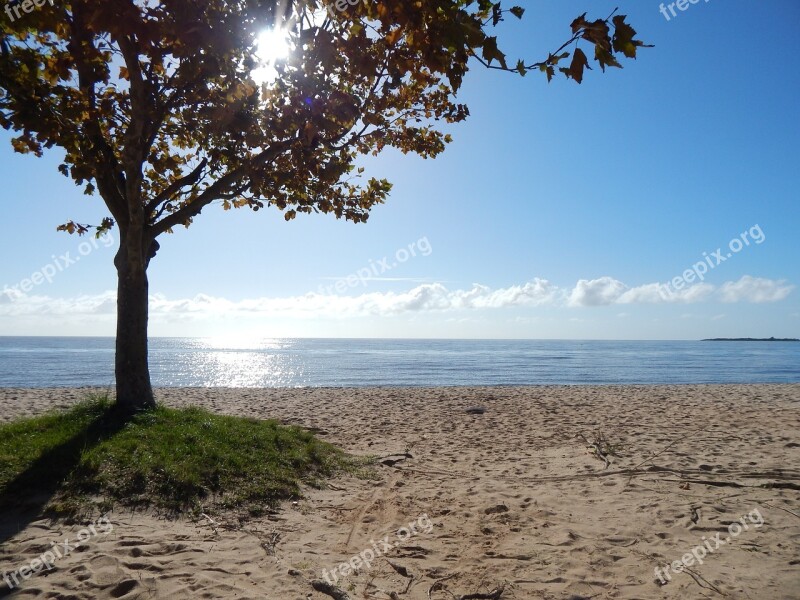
pixel 156 105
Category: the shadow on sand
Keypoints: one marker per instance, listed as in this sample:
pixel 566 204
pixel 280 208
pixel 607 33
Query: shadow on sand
pixel 24 499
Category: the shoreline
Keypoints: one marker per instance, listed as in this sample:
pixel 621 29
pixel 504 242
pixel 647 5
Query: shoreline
pixel 514 497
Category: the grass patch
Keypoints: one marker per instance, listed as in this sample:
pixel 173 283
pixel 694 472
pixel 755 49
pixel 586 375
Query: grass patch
pixel 176 460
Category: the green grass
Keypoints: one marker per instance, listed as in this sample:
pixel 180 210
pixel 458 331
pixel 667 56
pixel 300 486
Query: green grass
pixel 186 460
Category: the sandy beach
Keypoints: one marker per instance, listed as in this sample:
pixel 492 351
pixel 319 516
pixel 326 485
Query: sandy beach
pixel 701 482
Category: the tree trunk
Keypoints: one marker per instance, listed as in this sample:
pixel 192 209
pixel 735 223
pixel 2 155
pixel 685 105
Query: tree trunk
pixel 134 391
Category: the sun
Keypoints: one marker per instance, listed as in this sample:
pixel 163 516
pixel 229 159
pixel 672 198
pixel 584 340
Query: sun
pixel 272 46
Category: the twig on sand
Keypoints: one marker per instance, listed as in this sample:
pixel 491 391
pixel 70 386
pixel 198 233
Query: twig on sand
pixel 660 452
pixel 329 590
pixel 435 472
pixel 389 461
pixel 438 585
pixel 493 595
pixel 697 577
pixel 212 522
pixel 600 447
pixel 338 507
pixel 270 546
pixel 401 570
pixel 778 485
pixel 781 508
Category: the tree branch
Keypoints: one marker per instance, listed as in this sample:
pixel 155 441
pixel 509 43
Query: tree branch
pixel 213 192
pixel 176 186
pixel 107 168
pixel 135 150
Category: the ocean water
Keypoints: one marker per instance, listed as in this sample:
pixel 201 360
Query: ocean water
pixel 81 361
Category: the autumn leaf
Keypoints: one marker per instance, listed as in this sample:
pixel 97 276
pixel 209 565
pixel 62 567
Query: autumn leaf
pixel 623 40
pixel 578 24
pixel 605 58
pixel 72 228
pixel 579 62
pixel 491 52
pixel 393 36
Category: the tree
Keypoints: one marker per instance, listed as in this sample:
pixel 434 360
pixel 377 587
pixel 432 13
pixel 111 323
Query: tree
pixel 157 109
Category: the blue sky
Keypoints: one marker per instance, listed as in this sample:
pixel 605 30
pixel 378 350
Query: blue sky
pixel 555 213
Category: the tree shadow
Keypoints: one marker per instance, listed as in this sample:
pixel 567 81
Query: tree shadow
pixel 24 499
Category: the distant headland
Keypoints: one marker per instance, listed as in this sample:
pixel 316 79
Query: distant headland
pixel 771 339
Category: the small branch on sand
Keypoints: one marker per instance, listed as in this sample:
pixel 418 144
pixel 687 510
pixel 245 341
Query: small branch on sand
pixel 329 590
pixel 269 546
pixel 401 570
pixel 403 454
pixel 212 522
pixel 600 447
pixel 338 507
pixel 390 462
pixel 778 485
pixel 699 579
pixel 664 449
pixel 434 472
pixel 781 508
pixel 493 595
pixel 438 585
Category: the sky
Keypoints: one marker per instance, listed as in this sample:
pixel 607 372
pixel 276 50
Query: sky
pixel 654 202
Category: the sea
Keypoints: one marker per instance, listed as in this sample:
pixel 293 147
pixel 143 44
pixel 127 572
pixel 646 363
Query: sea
pixel 33 362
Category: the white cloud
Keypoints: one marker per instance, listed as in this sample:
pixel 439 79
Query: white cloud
pixel 429 297
pixel 755 290
pixel 19 304
pixel 597 292
pixel 607 290
pixel 656 293
pixel 9 295
pixel 423 298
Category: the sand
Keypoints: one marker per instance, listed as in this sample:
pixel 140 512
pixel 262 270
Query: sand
pixel 512 498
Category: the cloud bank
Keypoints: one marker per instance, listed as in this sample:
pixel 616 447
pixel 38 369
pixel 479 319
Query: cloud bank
pixel 429 297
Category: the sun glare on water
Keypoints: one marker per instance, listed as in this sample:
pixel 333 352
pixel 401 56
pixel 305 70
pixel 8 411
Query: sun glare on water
pixel 272 46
